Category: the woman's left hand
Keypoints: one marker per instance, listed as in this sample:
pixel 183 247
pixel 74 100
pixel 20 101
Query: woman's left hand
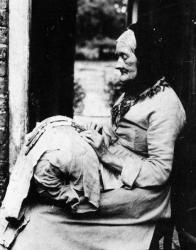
pixel 95 139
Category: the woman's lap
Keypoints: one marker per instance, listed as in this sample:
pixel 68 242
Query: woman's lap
pixel 118 223
pixel 48 230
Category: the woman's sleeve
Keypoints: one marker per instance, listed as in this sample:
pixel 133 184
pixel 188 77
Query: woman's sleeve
pixel 165 123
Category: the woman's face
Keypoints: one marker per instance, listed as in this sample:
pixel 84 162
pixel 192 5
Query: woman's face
pixel 127 61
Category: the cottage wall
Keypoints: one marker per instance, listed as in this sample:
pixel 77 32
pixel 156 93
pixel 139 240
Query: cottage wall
pixel 4 139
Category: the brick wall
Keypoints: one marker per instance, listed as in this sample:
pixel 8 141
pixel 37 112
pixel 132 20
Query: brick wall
pixel 3 97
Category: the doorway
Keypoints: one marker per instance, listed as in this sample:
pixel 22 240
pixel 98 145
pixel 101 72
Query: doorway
pixel 52 48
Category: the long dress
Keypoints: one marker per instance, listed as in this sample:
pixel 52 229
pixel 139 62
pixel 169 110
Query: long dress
pixel 142 143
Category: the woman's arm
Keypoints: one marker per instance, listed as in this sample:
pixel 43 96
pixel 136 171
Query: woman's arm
pixel 165 124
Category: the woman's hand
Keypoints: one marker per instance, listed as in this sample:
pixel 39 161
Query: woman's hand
pixel 96 140
pixel 93 126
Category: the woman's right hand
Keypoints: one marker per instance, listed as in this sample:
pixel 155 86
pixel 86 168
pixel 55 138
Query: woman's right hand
pixel 93 126
pixel 96 140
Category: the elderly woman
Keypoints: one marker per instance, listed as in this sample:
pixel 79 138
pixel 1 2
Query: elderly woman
pixel 126 182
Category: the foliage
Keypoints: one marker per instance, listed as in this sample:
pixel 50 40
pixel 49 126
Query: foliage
pixel 78 98
pixel 86 53
pixel 113 90
pixel 99 19
pixel 96 49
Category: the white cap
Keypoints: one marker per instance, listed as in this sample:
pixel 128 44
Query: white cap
pixel 127 38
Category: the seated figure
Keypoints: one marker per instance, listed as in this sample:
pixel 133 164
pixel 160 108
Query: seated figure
pixel 100 189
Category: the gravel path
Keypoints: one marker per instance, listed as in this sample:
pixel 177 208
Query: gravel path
pixel 93 78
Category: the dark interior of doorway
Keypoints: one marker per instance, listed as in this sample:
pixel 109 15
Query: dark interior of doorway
pixel 176 19
pixel 52 47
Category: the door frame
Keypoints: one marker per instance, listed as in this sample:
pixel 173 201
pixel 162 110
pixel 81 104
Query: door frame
pixel 18 74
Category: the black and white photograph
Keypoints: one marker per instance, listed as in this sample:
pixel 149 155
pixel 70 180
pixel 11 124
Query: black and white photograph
pixel 97 124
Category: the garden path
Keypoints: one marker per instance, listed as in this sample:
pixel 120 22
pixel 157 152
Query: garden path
pixel 93 77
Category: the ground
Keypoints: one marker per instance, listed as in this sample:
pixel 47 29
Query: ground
pixel 93 78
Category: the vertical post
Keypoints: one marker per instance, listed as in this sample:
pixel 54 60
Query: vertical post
pixel 132 11
pixel 19 27
pixel 135 12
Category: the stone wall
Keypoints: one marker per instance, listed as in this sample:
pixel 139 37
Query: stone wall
pixel 4 118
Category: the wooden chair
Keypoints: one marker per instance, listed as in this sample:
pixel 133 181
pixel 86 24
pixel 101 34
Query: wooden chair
pixel 165 227
pixel 163 230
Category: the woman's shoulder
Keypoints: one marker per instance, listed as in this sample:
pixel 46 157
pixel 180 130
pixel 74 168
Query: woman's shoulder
pixel 167 97
pixel 161 93
pixel 169 104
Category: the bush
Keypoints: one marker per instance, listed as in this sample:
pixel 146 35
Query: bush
pixel 97 49
pixel 100 18
pixel 114 91
pixel 86 53
pixel 79 95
